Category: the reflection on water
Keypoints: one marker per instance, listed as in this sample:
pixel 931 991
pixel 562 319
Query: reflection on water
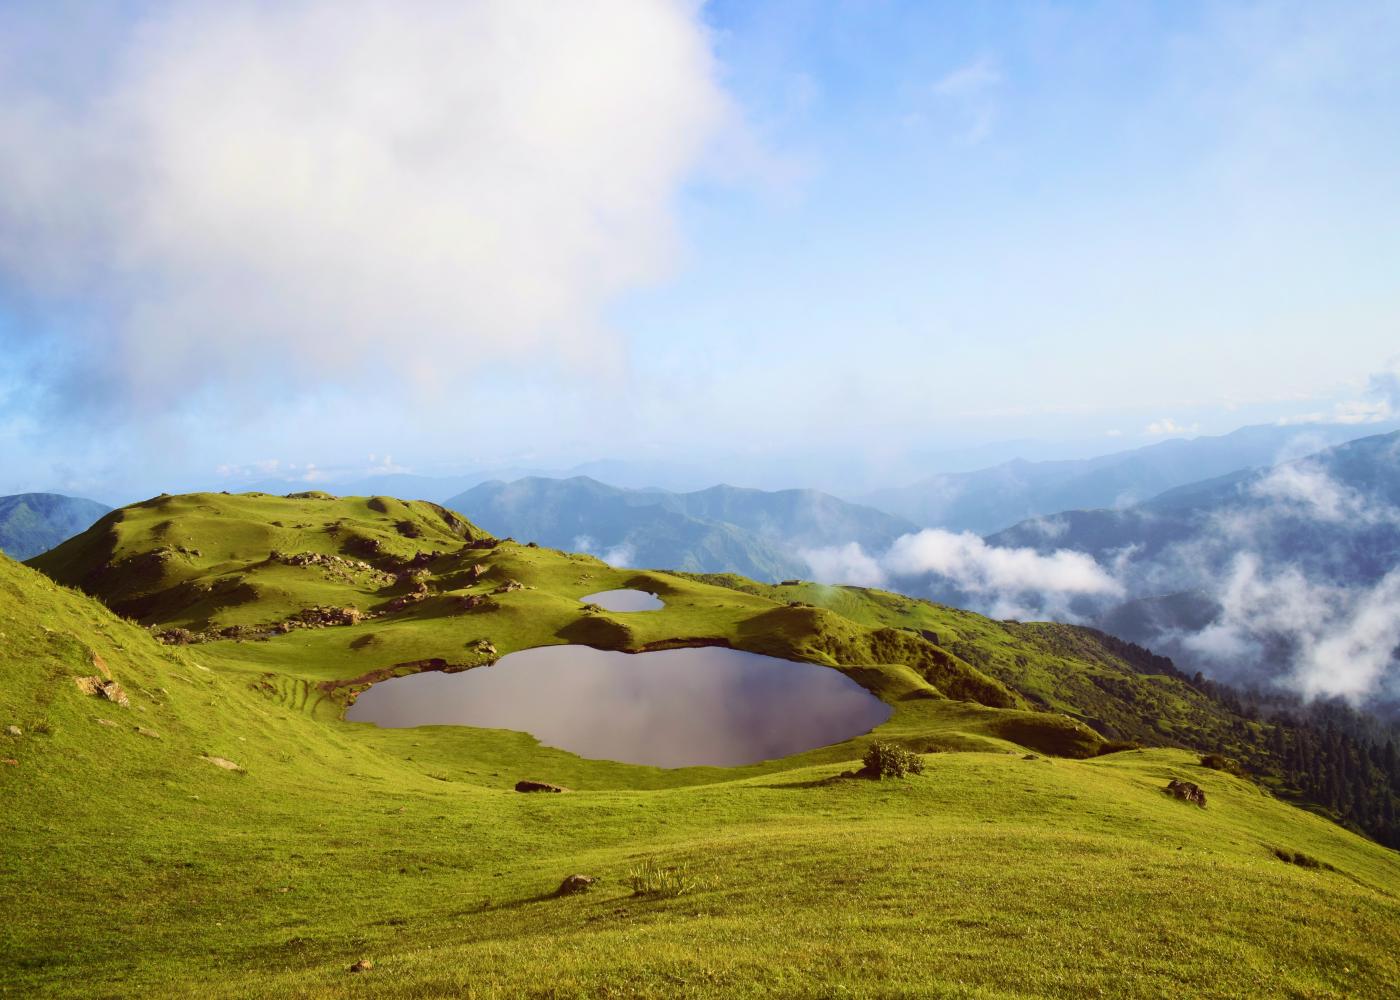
pixel 625 600
pixel 673 708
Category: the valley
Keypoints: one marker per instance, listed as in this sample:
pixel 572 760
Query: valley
pixel 253 843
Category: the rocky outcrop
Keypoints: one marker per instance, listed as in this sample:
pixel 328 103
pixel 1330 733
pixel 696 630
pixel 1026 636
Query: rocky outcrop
pixel 1186 791
pixel 222 762
pixel 102 688
pixel 475 602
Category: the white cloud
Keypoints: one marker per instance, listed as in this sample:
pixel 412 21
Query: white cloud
pixel 973 565
pixel 325 189
pixel 1342 640
pixel 849 564
pixel 971 90
pixel 1304 488
pixel 1009 582
pixel 971 80
pixel 621 556
pixel 1167 427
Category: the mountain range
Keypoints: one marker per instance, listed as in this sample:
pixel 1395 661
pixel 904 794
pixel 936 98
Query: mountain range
pixel 31 523
pixel 989 500
pixel 723 529
pixel 1292 570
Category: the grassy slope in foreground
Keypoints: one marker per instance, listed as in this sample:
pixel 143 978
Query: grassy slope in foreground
pixel 134 866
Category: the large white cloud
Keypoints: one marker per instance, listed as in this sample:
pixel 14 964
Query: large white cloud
pixel 318 189
pixel 1010 582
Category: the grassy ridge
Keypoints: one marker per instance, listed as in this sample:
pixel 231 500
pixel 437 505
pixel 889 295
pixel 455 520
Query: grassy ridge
pixel 135 866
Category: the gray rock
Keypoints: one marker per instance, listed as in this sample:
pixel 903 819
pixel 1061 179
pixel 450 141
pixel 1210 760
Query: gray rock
pixel 574 884
pixel 1186 791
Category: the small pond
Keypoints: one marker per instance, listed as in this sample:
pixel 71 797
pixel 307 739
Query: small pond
pixel 625 600
pixel 671 708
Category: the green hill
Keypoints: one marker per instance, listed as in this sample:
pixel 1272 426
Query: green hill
pixel 33 522
pixel 225 834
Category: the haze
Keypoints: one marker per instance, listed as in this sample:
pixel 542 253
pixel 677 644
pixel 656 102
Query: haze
pixel 283 238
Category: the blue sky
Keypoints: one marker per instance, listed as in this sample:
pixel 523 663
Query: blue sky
pixel 466 234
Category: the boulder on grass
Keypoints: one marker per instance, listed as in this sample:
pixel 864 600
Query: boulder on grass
pixel 110 690
pixel 538 786
pixel 574 884
pixel 1186 791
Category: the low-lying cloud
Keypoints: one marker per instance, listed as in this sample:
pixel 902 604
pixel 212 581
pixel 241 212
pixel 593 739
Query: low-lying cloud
pixel 621 555
pixel 1341 640
pixel 1292 600
pixel 328 190
pixel 1006 581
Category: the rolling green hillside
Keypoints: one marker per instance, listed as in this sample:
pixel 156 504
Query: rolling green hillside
pixel 223 833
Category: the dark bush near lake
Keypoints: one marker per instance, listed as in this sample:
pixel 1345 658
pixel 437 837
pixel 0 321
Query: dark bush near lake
pixel 889 760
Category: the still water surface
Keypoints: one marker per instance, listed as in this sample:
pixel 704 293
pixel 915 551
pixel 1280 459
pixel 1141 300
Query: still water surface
pixel 625 600
pixel 672 708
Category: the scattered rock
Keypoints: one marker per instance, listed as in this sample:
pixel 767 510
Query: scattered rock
pixel 509 586
pixel 14 731
pixel 477 571
pixel 485 647
pixel 363 965
pixel 574 884
pixel 1186 791
pixel 106 722
pixel 177 637
pixel 473 602
pixel 110 690
pixel 9 761
pixel 1030 756
pixel 223 762
pixel 143 731
pixel 540 786
pixel 319 617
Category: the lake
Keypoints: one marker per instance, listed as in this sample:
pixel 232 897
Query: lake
pixel 625 600
pixel 670 708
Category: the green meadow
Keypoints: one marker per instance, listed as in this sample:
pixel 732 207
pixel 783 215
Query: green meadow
pixel 227 834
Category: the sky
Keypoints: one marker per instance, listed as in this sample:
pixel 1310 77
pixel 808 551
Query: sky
pixel 427 236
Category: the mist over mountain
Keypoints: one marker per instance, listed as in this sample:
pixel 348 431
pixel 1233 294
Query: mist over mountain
pixel 31 523
pixel 1287 575
pixel 723 529
pixel 991 499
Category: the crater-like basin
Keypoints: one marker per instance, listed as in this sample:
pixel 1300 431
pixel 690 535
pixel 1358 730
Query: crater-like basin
pixel 670 708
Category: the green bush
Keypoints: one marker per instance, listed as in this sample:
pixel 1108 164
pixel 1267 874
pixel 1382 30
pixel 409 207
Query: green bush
pixel 1219 762
pixel 889 760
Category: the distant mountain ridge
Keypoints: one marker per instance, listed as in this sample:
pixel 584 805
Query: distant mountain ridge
pixel 1260 573
pixel 31 523
pixel 723 529
pixel 991 500
pixel 1328 511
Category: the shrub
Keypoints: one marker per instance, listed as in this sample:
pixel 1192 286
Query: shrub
pixel 889 760
pixel 1219 762
pixel 1116 746
pixel 652 879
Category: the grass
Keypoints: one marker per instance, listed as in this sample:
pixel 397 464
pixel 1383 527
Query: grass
pixel 652 878
pixel 135 866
